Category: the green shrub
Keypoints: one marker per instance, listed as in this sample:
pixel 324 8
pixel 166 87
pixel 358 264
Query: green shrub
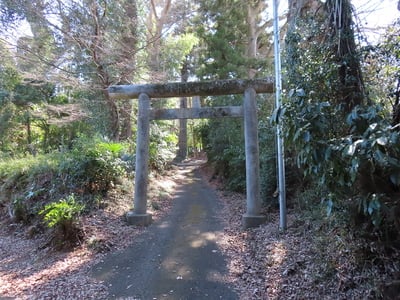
pixel 18 211
pixel 162 148
pixel 92 167
pixel 62 213
pixel 23 178
pixel 360 168
pixel 224 145
pixel 268 174
pixel 63 217
pixel 234 158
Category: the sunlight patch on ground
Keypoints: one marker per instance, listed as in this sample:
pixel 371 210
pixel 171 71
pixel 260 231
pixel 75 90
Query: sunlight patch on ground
pixel 29 277
pixel 278 253
pixel 176 268
pixel 203 239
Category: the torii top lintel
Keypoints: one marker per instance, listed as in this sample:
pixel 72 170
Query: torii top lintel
pixel 187 89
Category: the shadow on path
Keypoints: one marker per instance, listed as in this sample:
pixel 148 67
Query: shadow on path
pixel 177 257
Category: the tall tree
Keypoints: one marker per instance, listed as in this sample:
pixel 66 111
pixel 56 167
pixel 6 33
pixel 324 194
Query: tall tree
pixel 9 79
pixel 157 21
pixel 341 35
pixel 87 45
pixel 169 52
pixel 234 44
pixel 258 45
pixel 103 36
pixel 178 59
pixel 38 52
pixel 329 26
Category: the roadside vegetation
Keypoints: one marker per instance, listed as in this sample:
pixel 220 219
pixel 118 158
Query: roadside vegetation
pixel 66 147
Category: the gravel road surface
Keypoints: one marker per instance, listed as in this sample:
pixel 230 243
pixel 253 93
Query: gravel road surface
pixel 178 256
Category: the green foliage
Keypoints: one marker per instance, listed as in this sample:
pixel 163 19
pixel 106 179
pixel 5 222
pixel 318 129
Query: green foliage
pixel 22 176
pixel 371 206
pixel 381 67
pixel 310 64
pixel 30 91
pixel 93 166
pixel 50 137
pixel 99 112
pixel 9 75
pixel 9 79
pixel 63 218
pixel 222 30
pixel 7 126
pixel 162 147
pixel 89 169
pixel 268 168
pixel 310 129
pixel 177 48
pixel 62 213
pixel 224 145
pixel 235 170
pixel 359 165
pixel 23 119
pixel 60 99
pixel 350 152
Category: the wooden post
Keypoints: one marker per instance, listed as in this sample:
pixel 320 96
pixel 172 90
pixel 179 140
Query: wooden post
pixel 139 215
pixel 252 217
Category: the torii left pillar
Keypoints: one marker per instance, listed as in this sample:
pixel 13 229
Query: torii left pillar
pixel 139 215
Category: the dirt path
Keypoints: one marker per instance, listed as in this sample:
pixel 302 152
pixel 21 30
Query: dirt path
pixel 181 255
pixel 178 256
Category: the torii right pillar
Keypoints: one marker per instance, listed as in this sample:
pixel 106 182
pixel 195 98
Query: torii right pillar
pixel 252 217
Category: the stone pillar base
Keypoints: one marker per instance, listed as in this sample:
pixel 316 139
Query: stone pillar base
pixel 250 221
pixel 138 219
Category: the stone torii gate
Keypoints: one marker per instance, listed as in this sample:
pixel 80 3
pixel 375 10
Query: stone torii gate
pixel 139 214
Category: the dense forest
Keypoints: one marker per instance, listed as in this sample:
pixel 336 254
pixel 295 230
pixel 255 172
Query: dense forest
pixel 64 143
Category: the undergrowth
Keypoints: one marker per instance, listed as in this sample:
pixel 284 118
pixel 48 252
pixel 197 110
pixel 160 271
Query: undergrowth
pixel 63 218
pixel 346 256
pixel 31 187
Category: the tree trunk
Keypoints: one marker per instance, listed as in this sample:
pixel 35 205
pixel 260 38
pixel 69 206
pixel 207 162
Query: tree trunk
pixel 396 106
pixel 125 112
pixel 337 35
pixel 155 25
pixel 254 12
pixel 131 41
pixel 182 137
pixel 113 117
pixel 341 35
